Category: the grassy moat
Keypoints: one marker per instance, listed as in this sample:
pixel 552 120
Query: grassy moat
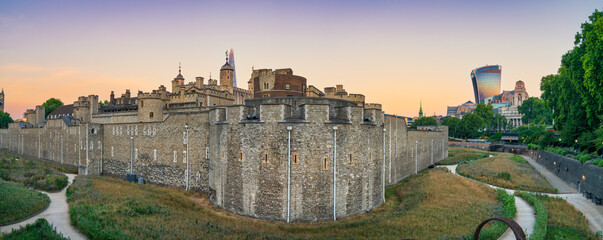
pixel 434 204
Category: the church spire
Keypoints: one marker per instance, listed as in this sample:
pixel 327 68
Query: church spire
pixel 179 68
pixel 421 109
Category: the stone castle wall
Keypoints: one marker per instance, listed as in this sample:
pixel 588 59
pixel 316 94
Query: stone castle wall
pixel 242 163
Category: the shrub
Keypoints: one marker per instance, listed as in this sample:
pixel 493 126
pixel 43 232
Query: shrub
pixel 533 146
pixel 561 151
pixel 37 230
pixel 504 175
pixel 542 215
pixel 583 158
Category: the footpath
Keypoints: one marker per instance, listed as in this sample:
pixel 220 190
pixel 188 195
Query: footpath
pixel 57 214
pixel 525 216
pixel 592 212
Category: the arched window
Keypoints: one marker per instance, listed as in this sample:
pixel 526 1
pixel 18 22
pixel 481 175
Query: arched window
pixel 151 114
pixel 141 104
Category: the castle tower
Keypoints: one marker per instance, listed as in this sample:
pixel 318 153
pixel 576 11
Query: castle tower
pixel 112 98
pixel 421 109
pixel 150 107
pixel 2 101
pixel 227 75
pixel 178 80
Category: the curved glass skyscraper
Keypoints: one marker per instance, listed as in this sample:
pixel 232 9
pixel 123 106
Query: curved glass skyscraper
pixel 486 82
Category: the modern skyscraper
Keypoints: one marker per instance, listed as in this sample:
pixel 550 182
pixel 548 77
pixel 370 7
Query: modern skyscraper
pixel 486 82
pixel 232 64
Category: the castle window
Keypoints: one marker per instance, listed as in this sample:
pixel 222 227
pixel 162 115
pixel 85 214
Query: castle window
pixel 265 157
pixel 266 95
pixel 240 156
pixel 141 104
pixel 287 86
pixel 295 158
pixel 223 154
pixel 370 157
pixel 350 159
pixel 151 114
pixel 325 165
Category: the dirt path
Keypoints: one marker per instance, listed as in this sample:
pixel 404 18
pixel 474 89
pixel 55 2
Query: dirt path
pixel 57 214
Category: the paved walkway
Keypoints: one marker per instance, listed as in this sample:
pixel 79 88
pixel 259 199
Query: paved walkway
pixel 592 212
pixel 557 182
pixel 525 216
pixel 57 214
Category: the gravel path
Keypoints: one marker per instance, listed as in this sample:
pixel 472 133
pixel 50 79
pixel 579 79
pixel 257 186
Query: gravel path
pixel 57 214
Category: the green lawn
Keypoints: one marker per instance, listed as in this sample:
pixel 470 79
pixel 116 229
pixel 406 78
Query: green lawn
pixel 508 171
pixel 19 203
pixel 38 230
pixel 433 204
pixel 40 174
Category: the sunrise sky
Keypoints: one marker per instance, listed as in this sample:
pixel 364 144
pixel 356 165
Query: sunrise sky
pixel 394 52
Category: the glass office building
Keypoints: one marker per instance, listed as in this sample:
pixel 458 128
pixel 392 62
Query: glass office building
pixel 486 82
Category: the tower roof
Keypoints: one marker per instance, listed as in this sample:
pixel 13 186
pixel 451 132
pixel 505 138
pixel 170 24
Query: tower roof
pixel 179 72
pixel 226 66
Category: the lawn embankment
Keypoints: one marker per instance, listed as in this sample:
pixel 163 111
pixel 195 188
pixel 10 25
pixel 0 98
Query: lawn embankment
pixel 556 218
pixel 430 205
pixel 18 203
pixel 40 174
pixel 463 155
pixel 37 230
pixel 507 171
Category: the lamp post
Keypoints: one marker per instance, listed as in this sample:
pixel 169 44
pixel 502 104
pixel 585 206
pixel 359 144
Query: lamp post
pixel 187 164
pixel 576 145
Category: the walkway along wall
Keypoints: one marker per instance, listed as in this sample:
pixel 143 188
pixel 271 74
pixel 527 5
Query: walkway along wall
pixel 590 177
pixel 280 164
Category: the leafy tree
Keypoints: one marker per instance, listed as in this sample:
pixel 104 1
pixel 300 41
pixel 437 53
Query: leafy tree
pixel 469 125
pixel 500 123
pixel 51 105
pixel 5 119
pixel 101 103
pixel 486 113
pixel 424 121
pixel 575 93
pixel 534 110
pixel 451 122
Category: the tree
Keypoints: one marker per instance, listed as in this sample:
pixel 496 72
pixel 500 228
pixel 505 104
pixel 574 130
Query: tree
pixel 469 125
pixel 451 122
pixel 51 105
pixel 101 103
pixel 5 119
pixel 424 121
pixel 500 123
pixel 535 111
pixel 486 113
pixel 575 93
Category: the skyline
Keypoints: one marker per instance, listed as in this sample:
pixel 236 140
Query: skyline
pixel 395 53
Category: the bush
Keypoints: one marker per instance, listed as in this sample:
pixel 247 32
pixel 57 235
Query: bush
pixel 561 151
pixel 38 230
pixel 533 146
pixel 542 215
pixel 504 175
pixel 583 158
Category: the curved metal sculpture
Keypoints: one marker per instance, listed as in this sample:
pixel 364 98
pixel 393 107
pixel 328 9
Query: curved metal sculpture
pixel 519 234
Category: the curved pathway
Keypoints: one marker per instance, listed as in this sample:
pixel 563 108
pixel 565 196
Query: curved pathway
pixel 57 214
pixel 592 212
pixel 525 216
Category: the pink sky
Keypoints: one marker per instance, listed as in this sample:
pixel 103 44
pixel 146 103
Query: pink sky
pixel 396 53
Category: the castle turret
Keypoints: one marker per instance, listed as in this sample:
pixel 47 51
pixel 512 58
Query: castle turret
pixel 178 80
pixel 112 98
pixel 227 75
pixel 150 107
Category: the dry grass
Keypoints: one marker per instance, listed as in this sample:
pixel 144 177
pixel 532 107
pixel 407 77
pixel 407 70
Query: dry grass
pixel 565 222
pixel 463 155
pixel 431 205
pixel 493 170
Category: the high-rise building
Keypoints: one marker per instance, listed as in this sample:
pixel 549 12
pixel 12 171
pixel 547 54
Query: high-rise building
pixel 232 64
pixel 486 82
pixel 2 101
